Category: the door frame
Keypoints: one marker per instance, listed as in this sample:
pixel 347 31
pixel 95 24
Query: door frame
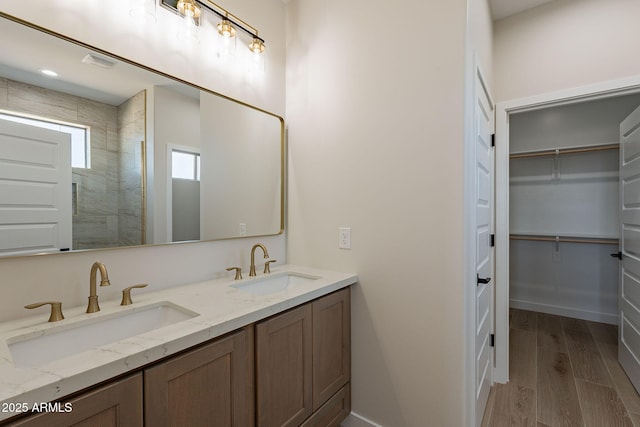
pixel 169 183
pixel 607 89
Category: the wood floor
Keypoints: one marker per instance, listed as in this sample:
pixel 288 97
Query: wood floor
pixel 563 372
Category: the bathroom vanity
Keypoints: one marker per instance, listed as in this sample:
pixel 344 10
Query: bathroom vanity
pixel 266 351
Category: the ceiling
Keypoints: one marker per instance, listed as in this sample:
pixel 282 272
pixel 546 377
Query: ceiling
pixel 25 52
pixel 503 8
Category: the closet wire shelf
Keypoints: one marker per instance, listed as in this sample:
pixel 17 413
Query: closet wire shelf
pixel 568 150
pixel 565 239
pixel 558 238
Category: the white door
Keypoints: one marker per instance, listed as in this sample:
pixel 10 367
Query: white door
pixel 35 189
pixel 484 298
pixel 629 294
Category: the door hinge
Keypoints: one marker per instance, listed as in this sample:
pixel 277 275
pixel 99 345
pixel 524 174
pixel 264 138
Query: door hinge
pixel 492 340
pixel 493 139
pixel 492 240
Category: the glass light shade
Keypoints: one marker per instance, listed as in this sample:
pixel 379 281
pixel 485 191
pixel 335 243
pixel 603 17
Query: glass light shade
pixel 225 29
pixel 189 29
pixel 143 10
pixel 226 39
pixel 256 46
pixel 189 8
pixel 256 64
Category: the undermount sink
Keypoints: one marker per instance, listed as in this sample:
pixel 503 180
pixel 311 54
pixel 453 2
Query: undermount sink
pixel 274 283
pixel 37 348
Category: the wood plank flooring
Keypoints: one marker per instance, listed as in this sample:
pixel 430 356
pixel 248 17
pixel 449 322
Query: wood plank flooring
pixel 563 372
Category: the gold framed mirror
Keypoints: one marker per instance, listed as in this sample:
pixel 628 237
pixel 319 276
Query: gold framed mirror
pixel 164 161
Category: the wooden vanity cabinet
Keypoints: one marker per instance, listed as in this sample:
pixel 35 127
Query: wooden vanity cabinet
pixel 302 361
pixel 300 378
pixel 116 404
pixel 209 386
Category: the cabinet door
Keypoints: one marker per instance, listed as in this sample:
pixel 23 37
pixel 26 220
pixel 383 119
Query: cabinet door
pixel 116 404
pixel 331 345
pixel 210 386
pixel 283 368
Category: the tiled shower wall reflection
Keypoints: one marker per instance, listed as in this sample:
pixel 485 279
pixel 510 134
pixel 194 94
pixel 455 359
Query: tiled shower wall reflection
pixel 115 135
pixel 131 134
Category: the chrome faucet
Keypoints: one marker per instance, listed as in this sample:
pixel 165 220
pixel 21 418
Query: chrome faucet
pixel 104 281
pixel 252 269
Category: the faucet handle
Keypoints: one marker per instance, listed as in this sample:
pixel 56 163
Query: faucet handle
pixel 238 272
pixel 267 270
pixel 126 294
pixel 56 309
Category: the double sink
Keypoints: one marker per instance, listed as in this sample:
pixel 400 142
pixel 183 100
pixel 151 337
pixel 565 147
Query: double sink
pixel 39 347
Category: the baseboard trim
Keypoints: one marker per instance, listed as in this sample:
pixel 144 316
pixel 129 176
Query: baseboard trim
pixel 565 311
pixel 355 420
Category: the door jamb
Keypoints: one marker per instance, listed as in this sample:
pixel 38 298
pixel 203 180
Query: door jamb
pixel 591 92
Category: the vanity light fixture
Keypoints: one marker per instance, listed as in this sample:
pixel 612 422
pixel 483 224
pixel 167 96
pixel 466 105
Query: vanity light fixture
pixel 190 13
pixel 226 37
pixel 256 63
pixel 227 28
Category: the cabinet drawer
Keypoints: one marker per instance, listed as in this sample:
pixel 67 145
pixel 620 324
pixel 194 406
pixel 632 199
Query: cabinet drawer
pixel 332 413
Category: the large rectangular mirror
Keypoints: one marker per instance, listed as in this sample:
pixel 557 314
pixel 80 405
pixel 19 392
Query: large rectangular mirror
pixel 108 153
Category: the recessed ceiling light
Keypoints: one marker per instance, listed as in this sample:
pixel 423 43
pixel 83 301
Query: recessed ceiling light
pixel 49 73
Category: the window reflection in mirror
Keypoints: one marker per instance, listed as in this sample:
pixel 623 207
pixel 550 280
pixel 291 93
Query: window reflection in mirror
pixel 80 150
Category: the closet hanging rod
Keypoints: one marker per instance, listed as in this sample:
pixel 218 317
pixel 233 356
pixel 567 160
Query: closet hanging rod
pixel 553 152
pixel 565 239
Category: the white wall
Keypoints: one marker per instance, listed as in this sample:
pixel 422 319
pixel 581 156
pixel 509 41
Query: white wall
pixel 376 136
pixel 480 37
pixel 565 44
pixel 238 177
pixel 65 276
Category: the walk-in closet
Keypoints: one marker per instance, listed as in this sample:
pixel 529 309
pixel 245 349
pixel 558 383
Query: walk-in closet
pixel 563 208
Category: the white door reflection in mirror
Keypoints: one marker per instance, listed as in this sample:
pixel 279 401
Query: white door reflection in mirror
pixel 35 189
pixel 80 150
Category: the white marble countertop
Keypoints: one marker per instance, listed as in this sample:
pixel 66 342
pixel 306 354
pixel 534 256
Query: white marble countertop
pixel 221 308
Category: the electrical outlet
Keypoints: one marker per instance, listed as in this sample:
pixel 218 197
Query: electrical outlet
pixel 243 229
pixel 344 238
